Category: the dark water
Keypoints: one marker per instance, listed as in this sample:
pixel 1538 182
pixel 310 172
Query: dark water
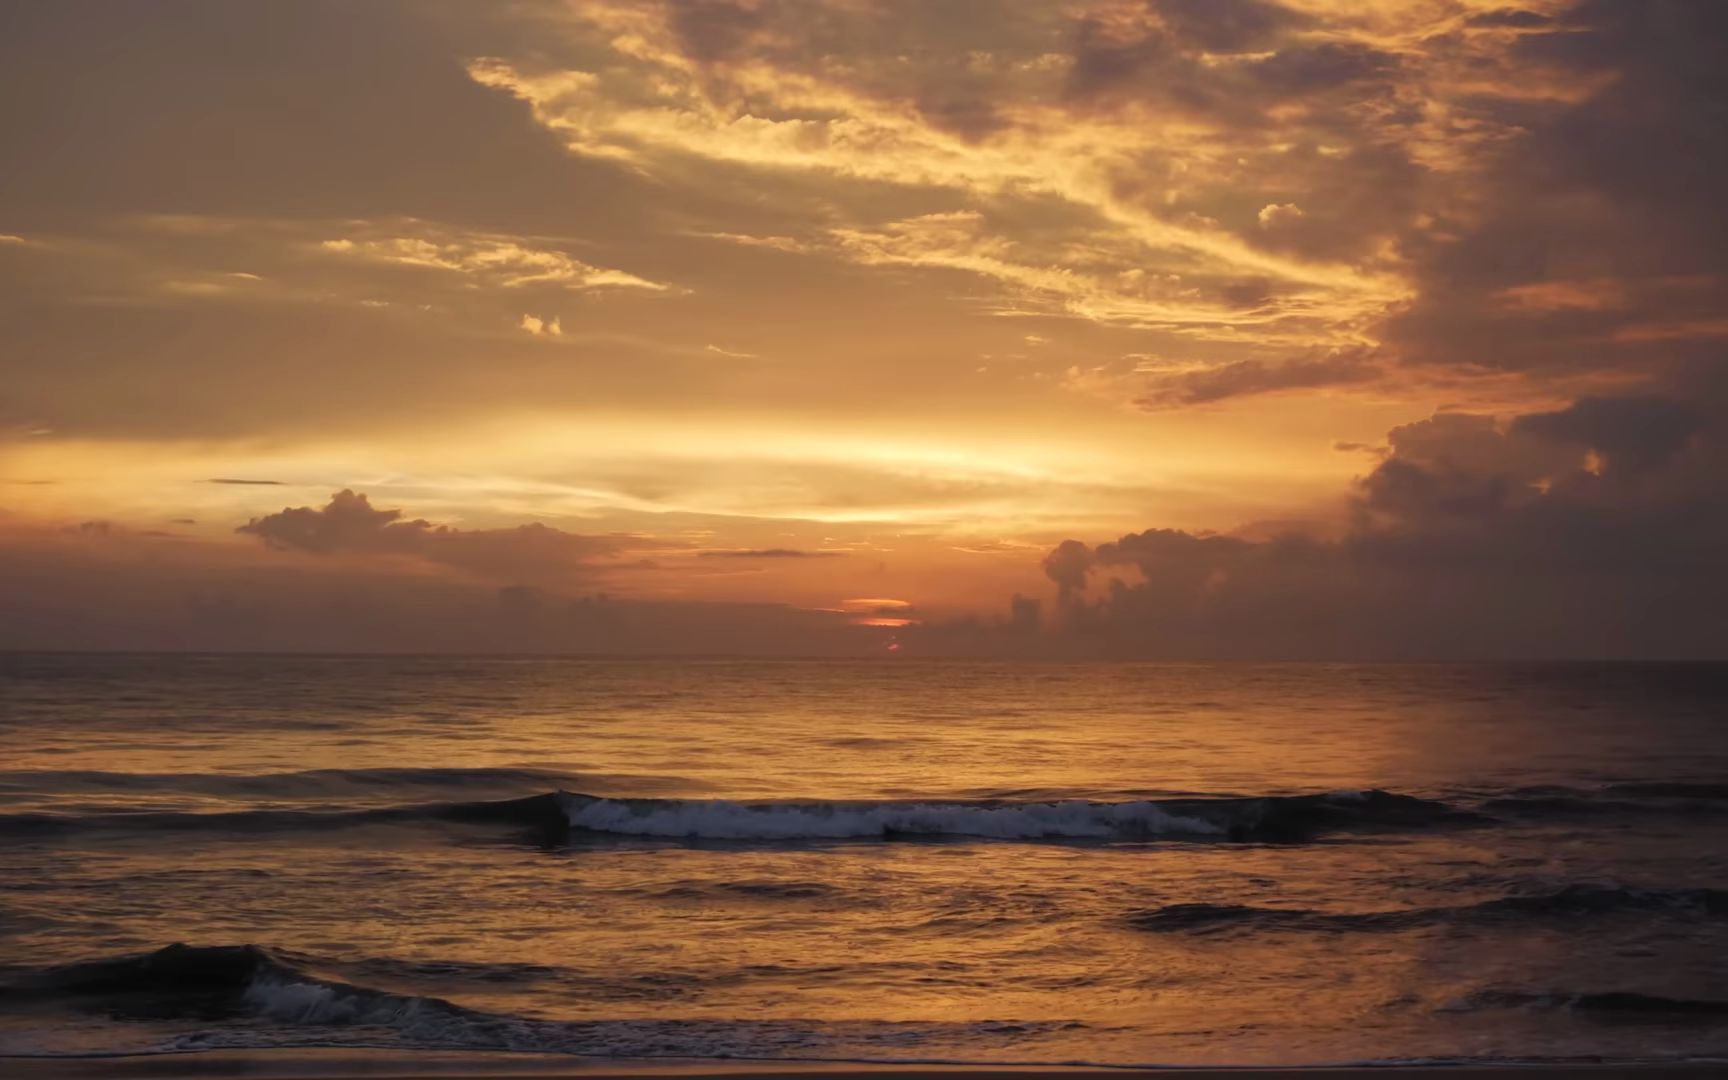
pixel 873 860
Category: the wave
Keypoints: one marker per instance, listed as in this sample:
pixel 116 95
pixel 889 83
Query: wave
pixel 266 999
pixel 1288 818
pixel 1630 798
pixel 555 815
pixel 1572 901
pixel 251 997
pixel 1672 789
pixel 1615 1004
pixel 1266 819
pixel 540 812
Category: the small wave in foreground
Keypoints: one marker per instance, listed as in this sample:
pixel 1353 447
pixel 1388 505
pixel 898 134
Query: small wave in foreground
pixel 1573 901
pixel 247 996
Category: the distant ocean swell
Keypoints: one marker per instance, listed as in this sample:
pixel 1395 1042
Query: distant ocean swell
pixel 318 804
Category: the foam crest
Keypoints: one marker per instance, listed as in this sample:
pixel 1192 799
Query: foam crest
pixel 725 820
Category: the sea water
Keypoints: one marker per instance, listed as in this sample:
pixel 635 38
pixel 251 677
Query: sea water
pixel 889 860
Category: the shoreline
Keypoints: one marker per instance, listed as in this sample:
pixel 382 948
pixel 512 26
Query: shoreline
pixel 347 1064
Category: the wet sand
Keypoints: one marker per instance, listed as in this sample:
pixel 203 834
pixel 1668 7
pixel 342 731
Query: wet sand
pixel 350 1065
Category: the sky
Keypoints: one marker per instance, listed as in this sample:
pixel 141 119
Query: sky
pixel 1187 329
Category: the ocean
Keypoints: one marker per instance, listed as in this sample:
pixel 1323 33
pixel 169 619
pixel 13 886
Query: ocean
pixel 884 860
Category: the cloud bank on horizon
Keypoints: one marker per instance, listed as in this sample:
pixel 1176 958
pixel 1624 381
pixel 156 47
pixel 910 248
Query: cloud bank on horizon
pixel 1225 328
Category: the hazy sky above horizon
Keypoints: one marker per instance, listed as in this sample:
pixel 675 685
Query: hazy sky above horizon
pixel 1222 327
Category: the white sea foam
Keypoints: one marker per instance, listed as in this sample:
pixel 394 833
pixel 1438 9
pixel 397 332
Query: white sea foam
pixel 291 1001
pixel 726 820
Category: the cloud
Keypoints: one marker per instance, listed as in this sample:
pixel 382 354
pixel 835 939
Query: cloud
pixel 350 525
pixel 1568 268
pixel 1589 531
pixel 1632 434
pixel 539 327
pixel 755 98
pixel 1248 377
pixel 1274 214
pixel 1509 18
pixel 1229 26
pixel 502 261
pixel 1593 242
pixel 1067 565
pixel 1542 297
pixel 245 482
pixel 1090 282
pixel 769 553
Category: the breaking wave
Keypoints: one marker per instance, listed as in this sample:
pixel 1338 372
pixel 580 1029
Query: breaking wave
pixel 256 998
pixel 1266 819
pixel 1270 819
pixel 559 815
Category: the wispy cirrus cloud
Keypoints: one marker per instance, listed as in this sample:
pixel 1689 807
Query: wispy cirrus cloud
pixel 1250 173
pixel 501 261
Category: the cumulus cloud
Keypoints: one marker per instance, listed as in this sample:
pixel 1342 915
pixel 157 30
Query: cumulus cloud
pixel 539 327
pixel 1584 262
pixel 350 525
pixel 1588 531
pixel 1274 214
pixel 1629 434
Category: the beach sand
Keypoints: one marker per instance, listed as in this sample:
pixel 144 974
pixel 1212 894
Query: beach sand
pixel 351 1065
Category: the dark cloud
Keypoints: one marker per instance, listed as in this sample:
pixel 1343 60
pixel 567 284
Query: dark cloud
pixel 1509 18
pixel 236 480
pixel 972 118
pixel 1308 69
pixel 1245 377
pixel 712 30
pixel 1228 26
pixel 1609 205
pixel 1166 58
pixel 1632 434
pixel 1067 565
pixel 1105 61
pixel 1473 538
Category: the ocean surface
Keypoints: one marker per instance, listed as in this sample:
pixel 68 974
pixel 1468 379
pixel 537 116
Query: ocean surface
pixel 886 860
